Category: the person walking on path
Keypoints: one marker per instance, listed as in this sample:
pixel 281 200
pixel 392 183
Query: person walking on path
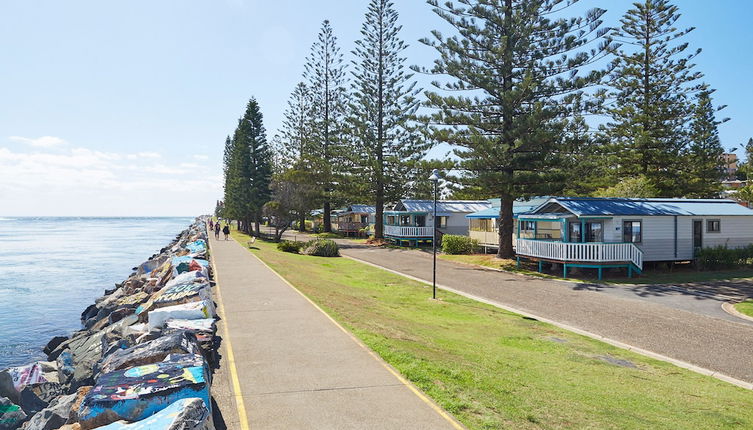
pixel 217 231
pixel 226 231
pixel 211 225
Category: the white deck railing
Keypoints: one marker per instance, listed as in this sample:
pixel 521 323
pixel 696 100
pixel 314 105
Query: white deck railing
pixel 581 252
pixel 400 231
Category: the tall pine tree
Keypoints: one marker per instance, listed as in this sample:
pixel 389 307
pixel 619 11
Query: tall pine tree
pixel 651 85
pixel 237 180
pixel 513 70
pixel 383 104
pixel 298 154
pixel 325 74
pixel 254 135
pixel 704 159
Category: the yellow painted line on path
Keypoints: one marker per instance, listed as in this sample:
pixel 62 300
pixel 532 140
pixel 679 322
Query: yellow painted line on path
pixel 379 359
pixel 239 405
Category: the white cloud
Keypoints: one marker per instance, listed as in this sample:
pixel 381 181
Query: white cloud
pixel 201 157
pixel 82 181
pixel 40 142
pixel 142 155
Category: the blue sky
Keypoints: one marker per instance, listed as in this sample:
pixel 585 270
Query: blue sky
pixel 122 107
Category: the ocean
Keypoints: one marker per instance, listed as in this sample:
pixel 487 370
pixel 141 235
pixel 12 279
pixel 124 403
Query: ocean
pixel 52 268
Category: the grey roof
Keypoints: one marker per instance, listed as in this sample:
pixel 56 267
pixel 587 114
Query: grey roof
pixel 443 206
pixel 595 206
pixel 359 209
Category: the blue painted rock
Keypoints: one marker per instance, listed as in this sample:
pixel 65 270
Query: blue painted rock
pixel 139 392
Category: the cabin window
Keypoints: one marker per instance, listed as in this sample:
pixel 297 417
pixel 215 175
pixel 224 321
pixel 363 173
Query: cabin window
pixel 440 222
pixel 481 224
pixel 594 232
pixel 549 230
pixel 405 220
pixel 632 231
pixel 573 234
pixel 713 226
pixel 420 220
pixel 390 220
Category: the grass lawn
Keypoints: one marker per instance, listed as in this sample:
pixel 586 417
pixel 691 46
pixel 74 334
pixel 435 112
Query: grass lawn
pixel 680 274
pixel 494 369
pixel 745 307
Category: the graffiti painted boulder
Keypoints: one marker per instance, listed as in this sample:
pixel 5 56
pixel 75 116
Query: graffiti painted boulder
pixel 139 392
pixel 11 415
pixel 189 311
pixel 183 342
pixel 35 397
pixel 176 295
pixel 14 379
pixel 197 246
pixel 55 415
pixel 187 277
pixel 187 263
pixel 185 414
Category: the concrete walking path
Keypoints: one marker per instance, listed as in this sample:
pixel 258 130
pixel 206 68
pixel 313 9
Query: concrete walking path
pixel 295 368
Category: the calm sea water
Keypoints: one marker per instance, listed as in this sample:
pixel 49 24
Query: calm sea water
pixel 53 268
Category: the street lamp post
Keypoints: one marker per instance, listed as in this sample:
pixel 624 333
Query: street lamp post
pixel 434 178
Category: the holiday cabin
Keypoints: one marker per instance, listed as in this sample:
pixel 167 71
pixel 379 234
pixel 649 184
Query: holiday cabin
pixel 623 232
pixel 356 220
pixel 411 221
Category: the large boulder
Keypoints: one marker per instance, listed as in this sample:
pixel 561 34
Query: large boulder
pixel 154 351
pixel 190 311
pixel 86 351
pixel 54 343
pixel 35 397
pixel 177 294
pixel 14 379
pixel 139 392
pixel 184 414
pixel 55 415
pixel 11 415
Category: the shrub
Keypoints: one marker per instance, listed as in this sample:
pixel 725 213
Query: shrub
pixel 290 246
pixel 322 248
pixel 454 244
pixel 721 257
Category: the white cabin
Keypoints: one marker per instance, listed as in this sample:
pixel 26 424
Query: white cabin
pixel 622 232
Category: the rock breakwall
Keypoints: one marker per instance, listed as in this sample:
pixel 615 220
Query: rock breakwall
pixel 143 359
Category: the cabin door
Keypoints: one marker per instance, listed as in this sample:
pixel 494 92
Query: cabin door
pixel 697 235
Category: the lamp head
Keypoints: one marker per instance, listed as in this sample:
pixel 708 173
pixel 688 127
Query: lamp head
pixel 434 176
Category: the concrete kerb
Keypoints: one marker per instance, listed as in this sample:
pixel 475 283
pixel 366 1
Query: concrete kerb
pixel 449 418
pixel 729 307
pixel 613 342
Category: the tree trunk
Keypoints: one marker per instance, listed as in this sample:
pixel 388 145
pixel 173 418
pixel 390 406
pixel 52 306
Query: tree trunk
pixel 302 222
pixel 327 218
pixel 379 218
pixel 505 228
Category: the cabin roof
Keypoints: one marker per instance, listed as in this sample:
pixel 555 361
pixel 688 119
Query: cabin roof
pixel 519 206
pixel 444 207
pixel 359 209
pixel 608 206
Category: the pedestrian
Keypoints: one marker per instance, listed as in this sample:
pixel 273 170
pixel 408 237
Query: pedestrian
pixel 217 231
pixel 211 225
pixel 226 231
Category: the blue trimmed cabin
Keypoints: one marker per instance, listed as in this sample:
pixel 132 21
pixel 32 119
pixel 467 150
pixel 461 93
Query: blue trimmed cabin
pixel 623 232
pixel 412 221
pixel 484 225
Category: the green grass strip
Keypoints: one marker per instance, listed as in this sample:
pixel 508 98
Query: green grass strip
pixel 745 307
pixel 495 369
